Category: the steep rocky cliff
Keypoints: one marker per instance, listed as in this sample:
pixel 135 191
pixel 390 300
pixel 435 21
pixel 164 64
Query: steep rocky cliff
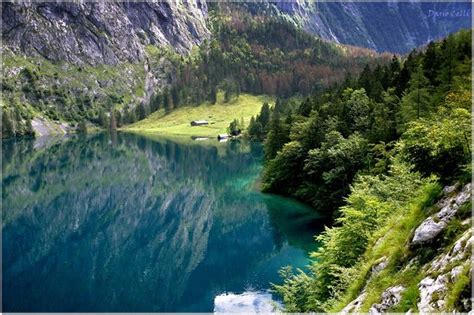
pixel 102 33
pixel 384 26
pixel 106 33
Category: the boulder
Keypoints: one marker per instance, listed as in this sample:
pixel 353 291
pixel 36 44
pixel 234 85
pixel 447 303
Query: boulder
pixel 428 230
pixel 379 265
pixel 390 297
pixel 354 306
pixel 434 225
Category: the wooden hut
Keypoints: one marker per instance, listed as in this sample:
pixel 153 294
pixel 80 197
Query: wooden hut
pixel 199 122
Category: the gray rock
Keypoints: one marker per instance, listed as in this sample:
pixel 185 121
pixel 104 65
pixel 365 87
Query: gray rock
pixel 434 225
pixel 390 298
pixel 449 189
pixel 427 231
pixel 405 24
pixel 44 127
pixel 354 306
pixel 379 265
pixel 459 252
pixel 434 287
pixel 102 32
pixel 465 195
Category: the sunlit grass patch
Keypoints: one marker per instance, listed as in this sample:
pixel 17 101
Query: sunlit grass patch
pixel 219 115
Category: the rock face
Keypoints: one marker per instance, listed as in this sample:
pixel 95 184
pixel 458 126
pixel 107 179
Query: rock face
pixel 434 287
pixel 434 225
pixel 390 297
pixel 107 32
pixel 103 32
pixel 383 26
pixel 354 306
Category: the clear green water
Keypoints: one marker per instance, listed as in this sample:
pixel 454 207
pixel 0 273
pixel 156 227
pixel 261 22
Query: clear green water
pixel 125 223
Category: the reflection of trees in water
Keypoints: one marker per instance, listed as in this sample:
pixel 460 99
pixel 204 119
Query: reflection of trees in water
pixel 294 225
pixel 126 221
pixel 131 221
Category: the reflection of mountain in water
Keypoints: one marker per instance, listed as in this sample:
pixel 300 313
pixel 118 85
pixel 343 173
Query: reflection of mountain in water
pixel 130 224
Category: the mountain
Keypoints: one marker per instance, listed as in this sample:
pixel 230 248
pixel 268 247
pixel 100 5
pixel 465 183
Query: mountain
pixel 102 33
pixel 106 33
pixel 391 26
pixel 64 63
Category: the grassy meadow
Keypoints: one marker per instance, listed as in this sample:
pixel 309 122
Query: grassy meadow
pixel 219 115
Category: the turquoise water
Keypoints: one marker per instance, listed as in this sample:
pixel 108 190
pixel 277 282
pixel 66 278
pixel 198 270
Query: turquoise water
pixel 125 223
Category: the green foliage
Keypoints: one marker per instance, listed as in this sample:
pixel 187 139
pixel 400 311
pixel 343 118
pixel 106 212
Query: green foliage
pixel 416 102
pixel 384 104
pixel 258 127
pixel 439 145
pixel 81 127
pixel 61 92
pixel 279 175
pixel 277 136
pixel 337 134
pixel 373 201
pixel 460 293
pixel 235 128
pixel 8 129
pixel 409 299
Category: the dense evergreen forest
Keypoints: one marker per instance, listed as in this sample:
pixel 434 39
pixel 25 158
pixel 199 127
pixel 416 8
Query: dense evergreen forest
pixel 363 152
pixel 313 150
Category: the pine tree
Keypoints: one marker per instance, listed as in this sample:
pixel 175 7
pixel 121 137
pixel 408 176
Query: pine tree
pixel 431 63
pixel 264 116
pixel 140 111
pixel 102 119
pixel 305 108
pixel 81 127
pixel 29 131
pixel 394 68
pixel 416 102
pixel 113 122
pixel 119 118
pixel 8 129
pixel 213 94
pixel 277 136
pixel 233 128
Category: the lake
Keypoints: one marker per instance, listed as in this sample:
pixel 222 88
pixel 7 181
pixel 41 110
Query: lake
pixel 126 223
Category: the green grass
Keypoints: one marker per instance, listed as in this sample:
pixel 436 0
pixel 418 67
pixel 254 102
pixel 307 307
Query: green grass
pixel 219 115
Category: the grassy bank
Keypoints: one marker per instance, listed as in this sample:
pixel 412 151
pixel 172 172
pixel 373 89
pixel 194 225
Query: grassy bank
pixel 219 115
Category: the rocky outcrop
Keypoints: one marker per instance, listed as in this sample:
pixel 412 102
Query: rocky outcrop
pixel 434 225
pixel 441 268
pixel 103 32
pixel 434 287
pixel 354 306
pixel 390 298
pixel 45 127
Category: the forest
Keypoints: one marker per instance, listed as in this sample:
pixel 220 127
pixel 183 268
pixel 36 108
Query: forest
pixel 364 151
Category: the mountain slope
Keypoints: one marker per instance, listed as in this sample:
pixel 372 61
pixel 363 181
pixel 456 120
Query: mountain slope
pixel 384 26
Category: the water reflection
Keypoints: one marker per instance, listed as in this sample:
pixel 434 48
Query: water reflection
pixel 126 223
